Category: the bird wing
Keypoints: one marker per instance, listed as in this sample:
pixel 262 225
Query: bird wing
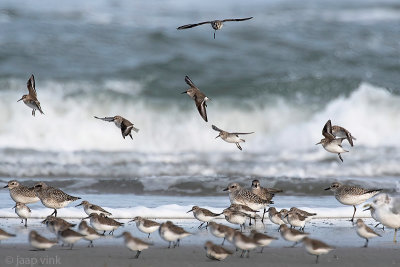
pixel 201 107
pixel 187 26
pixel 189 82
pixel 221 250
pixel 215 128
pixel 237 19
pixel 242 133
pixel 327 130
pixel 31 86
pixel 105 118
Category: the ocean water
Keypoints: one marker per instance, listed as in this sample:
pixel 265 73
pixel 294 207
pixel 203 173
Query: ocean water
pixel 282 74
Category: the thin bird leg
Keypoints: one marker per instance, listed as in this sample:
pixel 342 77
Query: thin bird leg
pixel 317 259
pixel 250 222
pixel 26 222
pixel 223 241
pixel 137 254
pixel 148 236
pixel 395 234
pixel 295 243
pixel 340 157
pixel 241 255
pixel 169 244
pixel 214 35
pixel 262 248
pixel 200 225
pixel 354 213
pixel 248 254
pixel 366 243
pixel 262 220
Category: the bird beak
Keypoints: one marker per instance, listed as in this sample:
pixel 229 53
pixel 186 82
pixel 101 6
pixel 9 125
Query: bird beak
pixel 131 221
pixel 318 143
pixel 190 211
pixel 226 189
pixel 327 188
pixel 5 186
pixel 217 136
pixel 85 218
pixel 20 99
pixel 268 209
pixel 78 205
pixel 184 92
pixel 287 214
pixel 14 207
pixel 367 205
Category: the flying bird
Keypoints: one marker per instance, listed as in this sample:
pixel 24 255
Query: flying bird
pixel 230 137
pixel 122 123
pixel 215 24
pixel 330 143
pixel 198 96
pixel 31 98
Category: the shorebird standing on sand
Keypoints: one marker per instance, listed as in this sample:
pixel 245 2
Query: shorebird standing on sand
pixel 122 123
pixel 39 242
pixel 20 193
pixel 23 211
pixel 332 144
pixel 103 223
pixel 172 233
pixel 198 96
pixel 316 247
pixel 352 195
pixel 90 208
pixel 216 252
pixel 203 215
pixel 31 98
pixel 146 226
pixel 230 137
pixel 134 244
pixel 215 24
pixel 365 232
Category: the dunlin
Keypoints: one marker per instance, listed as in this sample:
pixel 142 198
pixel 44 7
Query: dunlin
pixel 236 217
pixel 203 215
pixel 122 123
pixel 103 223
pixel 244 243
pixel 216 252
pixel 316 247
pixel 89 233
pixel 198 96
pixel 262 240
pixel 55 224
pixel 239 195
pixel 263 192
pixel 134 244
pixel 20 193
pixel 245 209
pixel 31 98
pixel 39 242
pixel 292 235
pixel 145 225
pixel 352 195
pixel 23 211
pixel 215 24
pixel 172 233
pixel 330 143
pixel 4 235
pixel 91 208
pixel 230 137
pixel 53 198
pixel 275 216
pixel 296 220
pixel 69 237
pixel 365 232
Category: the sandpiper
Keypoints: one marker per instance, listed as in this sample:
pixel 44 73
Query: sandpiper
pixel 263 192
pixel 340 132
pixel 262 240
pixel 296 220
pixel 55 224
pixel 4 235
pixel 172 233
pixel 316 247
pixel 245 209
pixel 309 216
pixel 145 225
pixel 53 198
pixel 215 24
pixel 20 193
pixel 230 137
pixel 365 232
pixel 103 223
pixel 39 242
pixel 283 213
pixel 122 123
pixel 235 217
pixel 244 243
pixel 216 252
pixel 70 237
pixel 23 211
pixel 292 235
pixel 220 230
pixel 203 215
pixel 134 244
pixel 330 143
pixel 31 98
pixel 239 195
pixel 352 195
pixel 89 233
pixel 387 211
pixel 275 216
pixel 91 208
pixel 198 96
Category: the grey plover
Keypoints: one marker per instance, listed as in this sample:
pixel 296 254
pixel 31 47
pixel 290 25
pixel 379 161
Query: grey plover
pixel 316 247
pixel 275 216
pixel 230 137
pixel 134 244
pixel 40 242
pixel 146 226
pixel 239 195
pixel 292 235
pixel 244 243
pixel 198 96
pixel 245 209
pixel 387 212
pixel 20 193
pixel 235 217
pixel 352 195
pixel 203 215
pixel 89 233
pixel 23 211
pixel 330 143
pixel 172 233
pixel 216 252
pixel 31 98
pixel 309 216
pixel 365 232
pixel 262 240
pixel 55 224
pixel 220 230
pixel 92 208
pixel 69 237
pixel 263 192
pixel 122 123
pixel 53 198
pixel 102 223
pixel 215 24
pixel 4 235
pixel 296 220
